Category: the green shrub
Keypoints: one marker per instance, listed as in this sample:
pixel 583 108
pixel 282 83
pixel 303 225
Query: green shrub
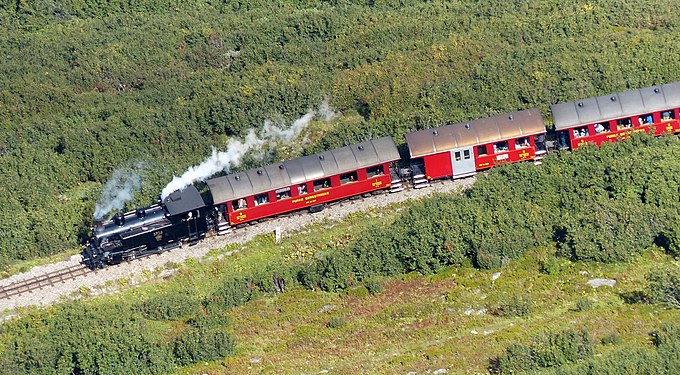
pixel 611 339
pixel 196 345
pixel 545 351
pixel 584 304
pixel 309 274
pixel 670 240
pixel 359 291
pixel 554 349
pixel 517 358
pixel 550 266
pixel 516 306
pixel 170 306
pixel 210 317
pixel 664 286
pixel 234 291
pixel 374 286
pixel 336 322
pixel 336 272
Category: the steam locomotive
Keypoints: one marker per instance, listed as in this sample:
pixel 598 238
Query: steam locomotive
pixel 310 182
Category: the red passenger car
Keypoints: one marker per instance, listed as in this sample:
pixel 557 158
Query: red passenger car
pixel 609 118
pixel 461 150
pixel 304 183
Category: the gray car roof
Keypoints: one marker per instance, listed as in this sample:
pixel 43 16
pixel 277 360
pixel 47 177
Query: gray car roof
pixel 481 131
pixel 617 105
pixel 300 170
pixel 184 200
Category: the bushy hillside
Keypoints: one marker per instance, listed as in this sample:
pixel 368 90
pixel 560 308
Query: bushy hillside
pixel 88 86
pixel 496 278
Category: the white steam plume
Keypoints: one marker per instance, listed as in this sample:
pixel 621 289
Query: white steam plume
pixel 236 149
pixel 118 190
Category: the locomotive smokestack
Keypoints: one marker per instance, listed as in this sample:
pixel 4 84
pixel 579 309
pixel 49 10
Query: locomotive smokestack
pixel 119 219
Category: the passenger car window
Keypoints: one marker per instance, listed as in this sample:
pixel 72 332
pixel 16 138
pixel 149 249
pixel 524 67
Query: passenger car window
pixel 322 184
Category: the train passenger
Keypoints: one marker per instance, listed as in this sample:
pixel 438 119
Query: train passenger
pixel 624 123
pixel 646 119
pixel 599 128
pixel 262 199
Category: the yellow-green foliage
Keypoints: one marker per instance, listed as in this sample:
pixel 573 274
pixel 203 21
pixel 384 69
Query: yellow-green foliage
pixel 91 86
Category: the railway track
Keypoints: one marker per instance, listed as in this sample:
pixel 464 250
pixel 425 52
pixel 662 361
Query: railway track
pixel 38 282
pixel 36 285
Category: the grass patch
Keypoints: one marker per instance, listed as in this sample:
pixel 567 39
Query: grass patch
pixel 420 323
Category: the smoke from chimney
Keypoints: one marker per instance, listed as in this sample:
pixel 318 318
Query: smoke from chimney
pixel 236 149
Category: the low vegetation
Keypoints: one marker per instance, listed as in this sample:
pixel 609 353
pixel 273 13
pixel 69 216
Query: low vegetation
pixel 491 280
pixel 339 286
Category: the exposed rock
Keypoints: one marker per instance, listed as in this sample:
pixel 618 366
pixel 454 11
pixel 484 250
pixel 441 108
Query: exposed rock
pixel 481 311
pixel 326 308
pixel 596 283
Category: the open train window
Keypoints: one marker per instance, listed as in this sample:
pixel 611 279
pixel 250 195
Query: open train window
pixel 602 127
pixel 261 199
pixel 522 142
pixel 324 183
pixel 375 171
pixel 646 119
pixel 481 150
pixel 239 204
pixel 667 115
pixel 282 193
pixel 581 132
pixel 302 189
pixel 624 123
pixel 500 147
pixel 348 177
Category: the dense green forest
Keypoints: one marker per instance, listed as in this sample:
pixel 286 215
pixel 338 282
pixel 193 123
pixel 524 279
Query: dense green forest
pixel 87 87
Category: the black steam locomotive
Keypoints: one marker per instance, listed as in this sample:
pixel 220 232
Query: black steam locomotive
pixel 182 218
